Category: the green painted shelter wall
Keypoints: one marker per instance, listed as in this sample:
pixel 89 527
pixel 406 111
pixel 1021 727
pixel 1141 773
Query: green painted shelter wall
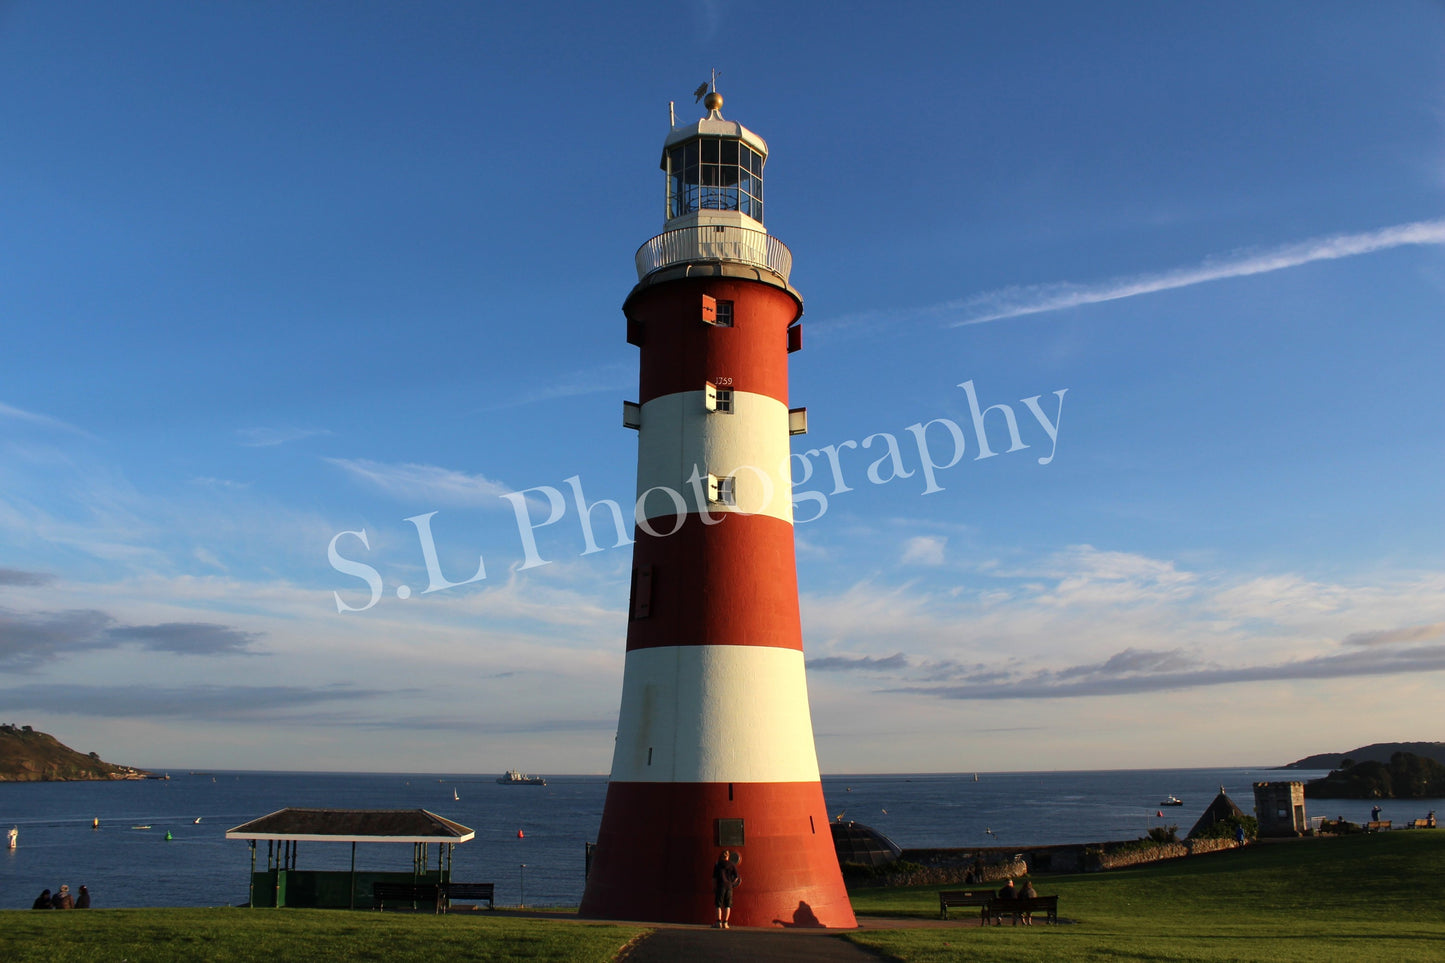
pixel 326 889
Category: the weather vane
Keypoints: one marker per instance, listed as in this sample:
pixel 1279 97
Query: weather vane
pixel 703 87
pixel 702 91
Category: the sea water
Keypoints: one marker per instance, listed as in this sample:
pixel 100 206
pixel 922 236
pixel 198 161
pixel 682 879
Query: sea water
pixel 530 840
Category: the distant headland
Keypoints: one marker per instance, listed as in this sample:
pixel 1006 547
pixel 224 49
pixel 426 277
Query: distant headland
pixel 30 756
pixel 1375 752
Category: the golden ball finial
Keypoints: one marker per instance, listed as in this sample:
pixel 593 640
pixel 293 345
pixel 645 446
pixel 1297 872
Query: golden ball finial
pixel 712 101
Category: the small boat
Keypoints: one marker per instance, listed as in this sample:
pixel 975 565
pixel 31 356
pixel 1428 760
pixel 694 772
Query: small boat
pixel 455 796
pixel 514 778
pixel 147 826
pixel 1172 801
pixel 196 821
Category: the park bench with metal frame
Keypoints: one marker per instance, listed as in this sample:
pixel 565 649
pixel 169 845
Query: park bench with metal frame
pixel 996 909
pixel 957 897
pixel 426 894
pixel 470 892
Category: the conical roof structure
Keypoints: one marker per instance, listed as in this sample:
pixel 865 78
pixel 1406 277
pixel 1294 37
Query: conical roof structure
pixel 857 843
pixel 1220 809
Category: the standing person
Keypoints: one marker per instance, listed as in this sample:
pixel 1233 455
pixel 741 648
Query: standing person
pixel 42 901
pixel 724 880
pixel 83 900
pixel 1375 814
pixel 63 899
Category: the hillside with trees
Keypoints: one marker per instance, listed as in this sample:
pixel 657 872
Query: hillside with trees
pixel 30 756
pixel 1375 752
pixel 1405 776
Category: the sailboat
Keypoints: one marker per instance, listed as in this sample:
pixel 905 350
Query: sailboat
pixel 454 794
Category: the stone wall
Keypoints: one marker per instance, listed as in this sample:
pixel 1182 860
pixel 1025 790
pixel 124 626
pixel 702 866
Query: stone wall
pixel 964 867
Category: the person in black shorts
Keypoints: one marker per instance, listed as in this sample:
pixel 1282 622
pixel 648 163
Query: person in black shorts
pixel 724 880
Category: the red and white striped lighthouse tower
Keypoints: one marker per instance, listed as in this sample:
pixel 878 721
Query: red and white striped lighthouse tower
pixel 714 738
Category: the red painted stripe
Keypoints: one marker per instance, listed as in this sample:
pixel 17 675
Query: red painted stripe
pixel 733 583
pixel 680 351
pixel 656 849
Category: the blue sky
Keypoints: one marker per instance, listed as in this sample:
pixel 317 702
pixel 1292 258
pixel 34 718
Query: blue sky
pixel 270 273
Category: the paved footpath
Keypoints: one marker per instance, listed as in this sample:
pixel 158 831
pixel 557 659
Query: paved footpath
pixel 670 942
pixel 698 944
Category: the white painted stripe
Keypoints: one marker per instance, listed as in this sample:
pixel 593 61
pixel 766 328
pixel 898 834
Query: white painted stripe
pixel 714 713
pixel 750 444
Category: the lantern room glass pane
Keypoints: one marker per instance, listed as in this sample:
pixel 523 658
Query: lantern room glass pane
pixel 713 173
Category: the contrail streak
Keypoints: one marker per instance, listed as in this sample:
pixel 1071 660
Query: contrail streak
pixel 1036 299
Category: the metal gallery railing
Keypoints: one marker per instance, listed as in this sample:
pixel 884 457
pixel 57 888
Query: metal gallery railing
pixel 714 242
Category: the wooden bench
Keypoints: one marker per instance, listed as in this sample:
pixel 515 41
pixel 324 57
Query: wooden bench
pixel 961 897
pixel 997 909
pixel 414 893
pixel 1376 825
pixel 471 892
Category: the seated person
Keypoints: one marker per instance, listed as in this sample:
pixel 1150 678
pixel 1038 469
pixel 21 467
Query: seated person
pixel 1028 892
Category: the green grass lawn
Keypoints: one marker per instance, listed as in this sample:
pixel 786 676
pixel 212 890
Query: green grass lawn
pixel 1359 898
pixel 190 935
pixel 1378 897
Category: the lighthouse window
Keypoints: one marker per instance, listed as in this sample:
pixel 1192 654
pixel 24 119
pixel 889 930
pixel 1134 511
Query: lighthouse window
pixel 717 399
pixel 717 174
pixel 721 491
pixel 724 314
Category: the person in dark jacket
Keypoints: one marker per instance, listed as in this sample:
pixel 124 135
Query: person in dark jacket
pixel 42 901
pixel 1028 892
pixel 83 900
pixel 724 880
pixel 1006 891
pixel 63 899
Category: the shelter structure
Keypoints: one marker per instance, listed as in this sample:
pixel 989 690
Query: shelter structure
pixel 1218 811
pixel 282 884
pixel 863 845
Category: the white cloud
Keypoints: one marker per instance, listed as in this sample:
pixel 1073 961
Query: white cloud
pixel 1086 622
pixel 924 550
pixel 428 484
pixel 1035 299
pixel 43 421
pixel 269 437
pixel 595 380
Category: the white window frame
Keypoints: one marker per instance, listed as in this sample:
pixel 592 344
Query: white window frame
pixel 722 489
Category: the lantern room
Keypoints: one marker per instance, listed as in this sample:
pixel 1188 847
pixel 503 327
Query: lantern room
pixel 714 171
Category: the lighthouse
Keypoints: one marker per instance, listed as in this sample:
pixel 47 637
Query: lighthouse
pixel 714 745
